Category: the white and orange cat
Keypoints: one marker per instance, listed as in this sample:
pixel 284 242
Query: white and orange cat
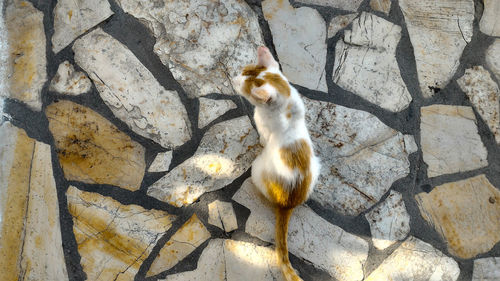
pixel 286 170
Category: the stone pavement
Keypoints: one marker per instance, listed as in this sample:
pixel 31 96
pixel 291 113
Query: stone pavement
pixel 125 153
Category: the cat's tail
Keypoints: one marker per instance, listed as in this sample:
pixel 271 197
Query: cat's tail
pixel 282 219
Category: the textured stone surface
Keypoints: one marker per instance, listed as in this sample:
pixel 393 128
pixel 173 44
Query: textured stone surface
pixel 26 70
pixel 365 63
pixel 493 58
pixel 339 22
pixel 361 156
pixel 221 214
pixel 225 152
pixel 131 91
pixel 349 5
pixel 310 237
pixel 30 234
pixel 490 24
pixel 486 269
pixel 383 6
pixel 229 260
pixel 68 81
pixel 113 239
pixel 450 140
pixel 72 18
pixel 416 260
pixel 161 162
pixel 205 48
pixel 439 31
pixel 299 36
pixel 484 94
pixel 93 150
pixel 465 213
pixel 211 109
pixel 191 235
pixel 389 221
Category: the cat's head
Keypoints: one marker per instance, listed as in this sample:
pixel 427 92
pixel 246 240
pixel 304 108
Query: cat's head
pixel 263 84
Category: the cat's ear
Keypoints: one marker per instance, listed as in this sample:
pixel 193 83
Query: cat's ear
pixel 265 58
pixel 260 95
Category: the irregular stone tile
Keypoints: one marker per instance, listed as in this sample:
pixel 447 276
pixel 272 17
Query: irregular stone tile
pixel 26 70
pixel 72 18
pixel 365 63
pixel 4 57
pixel 68 81
pixel 450 140
pixel 389 221
pixel 203 43
pixel 113 239
pixel 191 235
pixel 486 269
pixel 493 58
pixel 226 151
pixel 221 214
pixel 30 234
pixel 454 208
pixel 229 260
pixel 383 6
pixel 349 5
pixel 361 156
pixel 131 91
pixel 310 237
pixel 211 109
pixel 93 150
pixel 339 22
pixel 416 260
pixel 439 31
pixel 490 24
pixel 484 94
pixel 161 162
pixel 299 36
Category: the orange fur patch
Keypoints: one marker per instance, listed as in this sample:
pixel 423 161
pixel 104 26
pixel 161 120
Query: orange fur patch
pixel 253 70
pixel 278 82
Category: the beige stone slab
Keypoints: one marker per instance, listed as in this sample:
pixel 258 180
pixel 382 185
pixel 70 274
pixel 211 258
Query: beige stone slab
pixel 211 109
pixel 113 239
pixel 27 62
pixel 486 269
pixel 465 213
pixel 416 260
pixel 490 24
pixel 191 235
pixel 161 162
pixel 221 214
pixel 450 140
pixel 349 5
pixel 339 22
pixel 492 58
pixel 383 6
pixel 30 234
pixel 93 150
pixel 68 81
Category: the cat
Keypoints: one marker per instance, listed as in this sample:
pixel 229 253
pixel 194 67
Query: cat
pixel 287 169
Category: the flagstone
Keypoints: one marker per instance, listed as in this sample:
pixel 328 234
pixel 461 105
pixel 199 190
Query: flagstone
pixel 211 109
pixel 72 18
pixel 221 214
pixel 492 57
pixel 361 156
pixel 465 213
pixel 131 91
pixel 203 43
pixel 310 237
pixel 349 5
pixel 365 63
pixel 299 36
pixel 486 269
pixel 93 150
pixel 113 239
pixel 489 24
pixel 383 6
pixel 161 163
pixel 225 152
pixel 26 64
pixel 450 140
pixel 339 22
pixel 70 82
pixel 439 31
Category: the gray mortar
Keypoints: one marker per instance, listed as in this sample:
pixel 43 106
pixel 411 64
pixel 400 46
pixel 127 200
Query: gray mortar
pixel 138 39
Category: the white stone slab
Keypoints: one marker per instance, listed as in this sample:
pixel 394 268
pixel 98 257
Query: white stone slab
pixel 493 58
pixel 221 214
pixel 365 63
pixel 299 36
pixel 226 151
pixel 349 5
pixel 310 237
pixel 389 221
pixel 486 269
pixel 72 18
pixel 70 82
pixel 161 162
pixel 339 22
pixel 204 43
pixel 439 31
pixel 450 140
pixel 383 6
pixel 489 23
pixel 211 109
pixel 131 91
